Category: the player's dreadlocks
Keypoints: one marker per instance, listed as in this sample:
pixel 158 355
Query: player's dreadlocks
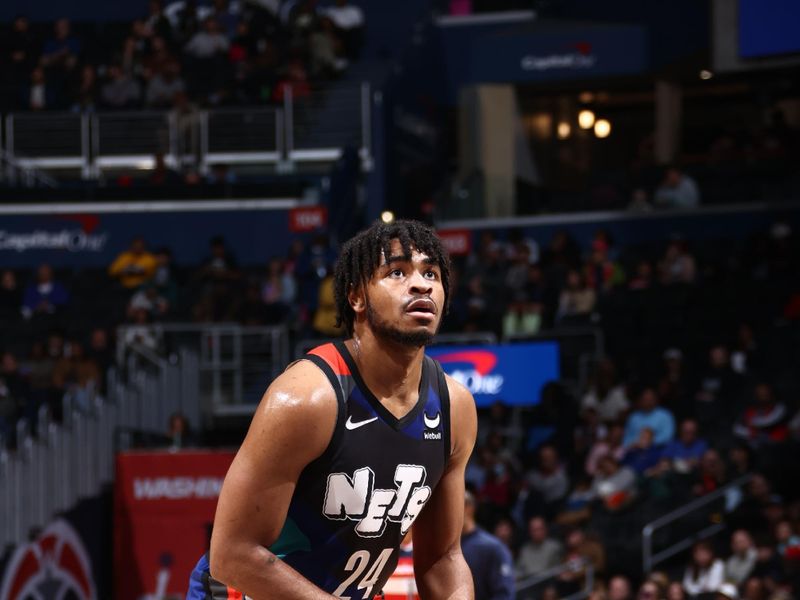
pixel 361 255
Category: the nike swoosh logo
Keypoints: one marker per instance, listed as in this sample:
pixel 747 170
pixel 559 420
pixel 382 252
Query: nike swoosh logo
pixel 431 423
pixel 350 424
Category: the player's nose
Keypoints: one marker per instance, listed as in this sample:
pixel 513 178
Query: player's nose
pixel 420 285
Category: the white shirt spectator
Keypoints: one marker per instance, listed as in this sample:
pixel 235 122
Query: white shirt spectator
pixel 706 581
pixel 205 45
pixel 609 408
pixel 346 16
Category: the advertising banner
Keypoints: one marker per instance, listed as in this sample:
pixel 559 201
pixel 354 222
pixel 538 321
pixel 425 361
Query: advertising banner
pixel 512 373
pixel 164 506
pixel 93 240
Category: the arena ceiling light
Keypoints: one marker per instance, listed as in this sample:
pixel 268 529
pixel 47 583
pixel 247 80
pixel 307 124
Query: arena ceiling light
pixel 563 130
pixel 602 128
pixel 705 74
pixel 586 119
pixel 387 216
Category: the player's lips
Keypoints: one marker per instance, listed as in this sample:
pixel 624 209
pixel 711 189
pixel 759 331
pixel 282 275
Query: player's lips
pixel 423 308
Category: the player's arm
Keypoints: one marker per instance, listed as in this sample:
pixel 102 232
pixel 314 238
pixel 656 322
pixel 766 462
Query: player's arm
pixel 292 426
pixel 439 566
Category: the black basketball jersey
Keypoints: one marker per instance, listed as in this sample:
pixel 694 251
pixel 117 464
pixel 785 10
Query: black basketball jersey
pixel 353 505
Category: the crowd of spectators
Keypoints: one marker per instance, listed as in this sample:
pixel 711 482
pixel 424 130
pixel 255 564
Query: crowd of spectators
pixel 679 407
pixel 178 54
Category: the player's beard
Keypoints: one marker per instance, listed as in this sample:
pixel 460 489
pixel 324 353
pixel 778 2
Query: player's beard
pixel 413 339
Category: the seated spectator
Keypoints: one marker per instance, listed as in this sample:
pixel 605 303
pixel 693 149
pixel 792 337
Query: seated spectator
pixel 164 85
pixel 77 377
pixel 85 92
pixel 649 414
pixel 40 94
pixel 643 455
pixel 549 479
pixel 577 299
pixel 580 547
pixel 15 400
pixel 327 53
pixel 765 420
pixel 788 541
pixel 10 295
pixel 325 316
pixel 147 298
pixel 705 573
pixel 619 588
pixel 218 275
pixel 209 42
pixel 157 22
pixel 602 273
pixel 294 79
pixel 60 53
pixel 743 557
pixel 179 432
pixel 21 51
pixel 675 591
pixel 157 58
pixel 674 385
pixel 349 21
pixel 140 331
pixel 100 350
pixel 278 291
pixel 717 395
pixel 611 445
pixel 685 452
pixel 134 266
pixel 522 317
pixel 614 485
pixel 121 90
pixel 649 591
pixel 606 394
pixel 39 369
pixel 540 552
pixel 711 474
pixel 727 591
pixel 677 190
pixel 754 589
pixel 45 296
pixel 678 265
pixel 643 278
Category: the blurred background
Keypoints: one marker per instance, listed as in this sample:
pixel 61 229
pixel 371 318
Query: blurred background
pixel 617 183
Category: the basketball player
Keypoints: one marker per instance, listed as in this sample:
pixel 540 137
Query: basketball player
pixel 352 444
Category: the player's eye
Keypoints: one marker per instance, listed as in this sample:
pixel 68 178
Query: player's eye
pixel 396 272
pixel 431 274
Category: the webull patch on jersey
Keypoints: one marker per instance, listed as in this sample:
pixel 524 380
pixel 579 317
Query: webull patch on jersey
pixel 356 498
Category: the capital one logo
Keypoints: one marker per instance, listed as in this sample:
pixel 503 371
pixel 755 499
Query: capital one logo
pixel 356 498
pixel 54 566
pixel 478 379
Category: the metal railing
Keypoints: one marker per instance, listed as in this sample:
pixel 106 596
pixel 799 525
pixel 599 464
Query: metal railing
pixel 223 368
pixel 311 129
pixel 64 462
pixel 525 588
pixel 14 172
pixel 650 559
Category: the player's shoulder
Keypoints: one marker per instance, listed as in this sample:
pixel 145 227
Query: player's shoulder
pixel 460 397
pixel 302 387
pixel 463 417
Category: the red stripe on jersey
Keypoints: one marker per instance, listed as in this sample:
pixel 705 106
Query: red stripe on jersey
pixel 233 594
pixel 330 355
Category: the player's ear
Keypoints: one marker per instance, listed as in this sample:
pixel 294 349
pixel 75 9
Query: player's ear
pixel 357 299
